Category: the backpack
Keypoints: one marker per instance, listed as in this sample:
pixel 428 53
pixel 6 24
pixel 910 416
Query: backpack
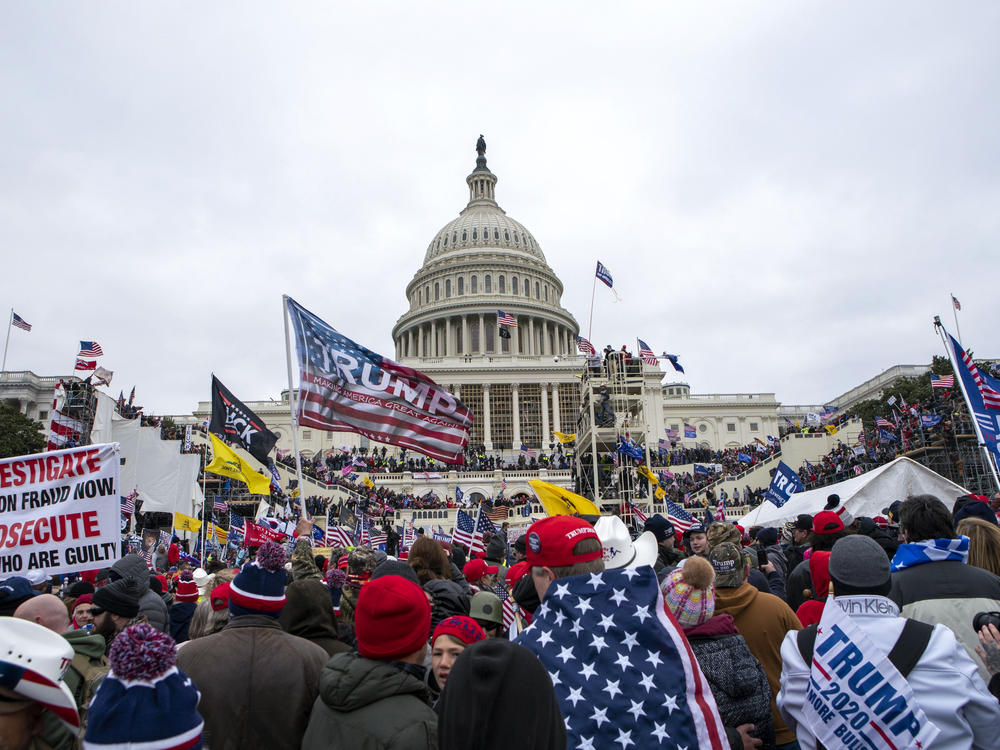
pixel 905 654
pixel 89 678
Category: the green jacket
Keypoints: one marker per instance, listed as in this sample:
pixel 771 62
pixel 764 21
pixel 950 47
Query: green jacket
pixel 370 705
pixel 88 668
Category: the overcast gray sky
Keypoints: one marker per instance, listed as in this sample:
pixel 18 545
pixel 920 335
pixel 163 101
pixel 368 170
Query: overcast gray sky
pixel 786 192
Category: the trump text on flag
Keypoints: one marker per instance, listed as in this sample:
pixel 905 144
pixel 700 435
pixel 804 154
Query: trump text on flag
pixel 59 511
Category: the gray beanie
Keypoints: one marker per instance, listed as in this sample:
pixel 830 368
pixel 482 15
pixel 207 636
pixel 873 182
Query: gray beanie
pixel 859 564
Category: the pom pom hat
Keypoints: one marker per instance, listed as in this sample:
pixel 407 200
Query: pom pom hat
pixel 145 702
pixel 259 589
pixel 551 541
pixel 688 592
pixel 33 660
pixel 392 618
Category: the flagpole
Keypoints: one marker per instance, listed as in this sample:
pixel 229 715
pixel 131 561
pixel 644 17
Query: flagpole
pixel 10 322
pixel 954 311
pixel 204 502
pixel 965 394
pixel 291 408
pixel 590 325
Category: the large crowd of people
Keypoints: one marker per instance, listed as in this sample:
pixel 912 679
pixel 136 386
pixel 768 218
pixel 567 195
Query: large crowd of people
pixel 600 631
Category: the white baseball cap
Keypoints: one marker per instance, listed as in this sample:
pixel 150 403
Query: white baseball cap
pixel 33 660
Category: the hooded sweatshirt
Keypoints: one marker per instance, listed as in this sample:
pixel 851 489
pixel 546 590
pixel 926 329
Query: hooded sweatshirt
pixel 491 682
pixel 308 614
pixel 762 619
pixel 150 604
pixel 364 703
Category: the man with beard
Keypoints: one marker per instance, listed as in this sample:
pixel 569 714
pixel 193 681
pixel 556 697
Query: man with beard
pixel 116 606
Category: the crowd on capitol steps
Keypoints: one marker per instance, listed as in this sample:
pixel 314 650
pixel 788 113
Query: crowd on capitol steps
pixel 828 631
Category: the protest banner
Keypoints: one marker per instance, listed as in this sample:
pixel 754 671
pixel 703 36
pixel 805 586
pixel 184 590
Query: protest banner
pixel 60 511
pixel 257 534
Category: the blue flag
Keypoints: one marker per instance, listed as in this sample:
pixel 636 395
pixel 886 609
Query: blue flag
pixel 605 275
pixel 783 484
pixel 740 456
pixel 458 493
pixel 689 431
pixel 982 393
pixel 629 449
pixel 703 471
pixel 672 358
pixel 622 671
pixel 929 420
pixel 885 435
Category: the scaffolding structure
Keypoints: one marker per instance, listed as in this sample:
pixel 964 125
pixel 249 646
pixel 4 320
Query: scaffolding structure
pixel 73 412
pixel 612 413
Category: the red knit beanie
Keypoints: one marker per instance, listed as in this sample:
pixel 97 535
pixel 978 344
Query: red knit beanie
pixel 187 589
pixel 462 628
pixel 392 618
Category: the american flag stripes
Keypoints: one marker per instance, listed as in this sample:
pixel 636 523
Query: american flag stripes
pixel 879 422
pixel 18 322
pixel 720 510
pixel 680 518
pixel 506 604
pixel 345 387
pixel 529 452
pixel 955 302
pixel 639 515
pixel 219 505
pixel 585 346
pixel 945 382
pixel 337 536
pixel 128 503
pixel 505 319
pixel 498 513
pixel 647 354
pixel 464 529
pixel 90 349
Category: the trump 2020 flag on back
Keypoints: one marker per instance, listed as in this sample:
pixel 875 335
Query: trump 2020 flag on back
pixel 624 675
pixel 347 388
pixel 784 482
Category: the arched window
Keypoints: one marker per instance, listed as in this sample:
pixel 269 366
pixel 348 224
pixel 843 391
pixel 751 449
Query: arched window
pixel 447 287
pixel 461 285
pixel 420 297
pixel 488 284
pixel 538 294
pixel 501 284
pixel 465 235
pixel 496 234
pixel 506 235
pixel 437 291
pixel 475 285
pixel 546 292
pixel 475 234
pixel 513 285
pixel 427 293
pixel 454 237
pixel 446 240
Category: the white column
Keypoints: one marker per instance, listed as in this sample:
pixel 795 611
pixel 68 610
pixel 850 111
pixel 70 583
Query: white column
pixel 409 345
pixel 515 414
pixel 531 337
pixel 487 432
pixel 420 341
pixel 546 435
pixel 557 426
pixel 447 337
pixel 482 335
pixel 546 346
pixel 466 339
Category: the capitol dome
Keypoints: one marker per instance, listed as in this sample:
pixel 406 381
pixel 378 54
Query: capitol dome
pixel 479 263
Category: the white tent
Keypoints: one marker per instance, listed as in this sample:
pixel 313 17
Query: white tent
pixel 864 495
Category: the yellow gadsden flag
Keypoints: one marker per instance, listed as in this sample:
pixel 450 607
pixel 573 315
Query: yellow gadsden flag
pixel 560 502
pixel 226 463
pixel 186 523
pixel 367 482
pixel 645 473
pixel 563 437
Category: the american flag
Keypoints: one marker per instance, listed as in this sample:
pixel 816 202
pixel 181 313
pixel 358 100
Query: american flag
pixel 647 354
pixel 219 506
pixel 680 518
pixel 673 434
pixel 128 503
pixel 464 530
pixel 498 513
pixel 337 536
pixel 379 538
pixel 85 364
pixel 639 515
pixel 504 319
pixel 945 382
pixel 879 422
pixel 585 346
pixel 19 322
pixel 374 396
pixel 363 534
pixel 235 523
pixel 991 397
pixel 955 302
pixel 506 604
pixel 622 670
pixel 90 349
pixel 529 452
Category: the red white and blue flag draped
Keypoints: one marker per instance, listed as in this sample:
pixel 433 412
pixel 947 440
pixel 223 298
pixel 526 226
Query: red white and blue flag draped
pixel 720 510
pixel 623 673
pixel 647 354
pixel 585 346
pixel 347 388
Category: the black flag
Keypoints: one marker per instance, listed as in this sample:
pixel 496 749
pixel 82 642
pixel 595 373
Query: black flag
pixel 232 420
pixel 504 333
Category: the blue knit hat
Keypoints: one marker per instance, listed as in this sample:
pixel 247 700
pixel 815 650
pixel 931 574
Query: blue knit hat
pixel 259 589
pixel 145 701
